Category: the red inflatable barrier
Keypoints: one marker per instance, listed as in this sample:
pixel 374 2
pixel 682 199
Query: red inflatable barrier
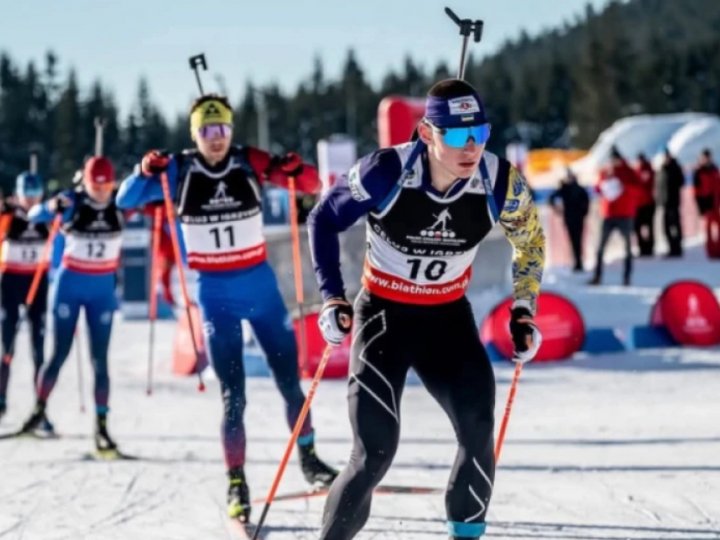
pixel 183 362
pixel 338 364
pixel 183 356
pixel 690 313
pixel 397 118
pixel 557 318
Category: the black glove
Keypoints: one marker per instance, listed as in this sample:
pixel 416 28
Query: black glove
pixel 335 320
pixel 521 329
pixel 59 203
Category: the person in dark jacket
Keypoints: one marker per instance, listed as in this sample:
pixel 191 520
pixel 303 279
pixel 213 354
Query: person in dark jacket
pixel 645 216
pixel 669 185
pixel 573 201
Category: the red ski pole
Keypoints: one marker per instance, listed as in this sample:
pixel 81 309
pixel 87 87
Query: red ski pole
pixel 5 222
pixel 152 307
pixel 170 213
pixel 295 433
pixel 508 410
pixel 44 261
pixel 297 271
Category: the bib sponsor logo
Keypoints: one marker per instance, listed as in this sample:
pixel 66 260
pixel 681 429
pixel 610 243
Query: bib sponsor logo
pixel 99 223
pixel 439 228
pixel 221 199
pixel 30 234
pixel 438 233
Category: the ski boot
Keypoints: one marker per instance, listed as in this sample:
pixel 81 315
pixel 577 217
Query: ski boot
pixel 35 420
pixel 45 429
pixel 316 472
pixel 238 496
pixel 104 444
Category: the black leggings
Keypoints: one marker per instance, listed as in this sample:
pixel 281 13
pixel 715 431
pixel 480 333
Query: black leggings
pixel 442 344
pixel 13 289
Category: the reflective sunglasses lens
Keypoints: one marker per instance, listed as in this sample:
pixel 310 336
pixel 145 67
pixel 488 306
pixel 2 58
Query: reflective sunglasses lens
pixel 458 137
pixel 215 131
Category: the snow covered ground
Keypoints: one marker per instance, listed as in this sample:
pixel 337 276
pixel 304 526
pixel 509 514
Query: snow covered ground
pixel 623 446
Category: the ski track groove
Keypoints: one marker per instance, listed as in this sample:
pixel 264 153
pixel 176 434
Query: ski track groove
pixel 130 485
pixel 141 500
pixel 26 519
pixel 700 510
pixel 11 528
pixel 35 484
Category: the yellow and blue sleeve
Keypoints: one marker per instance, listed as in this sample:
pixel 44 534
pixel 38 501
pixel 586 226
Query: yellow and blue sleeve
pixel 521 224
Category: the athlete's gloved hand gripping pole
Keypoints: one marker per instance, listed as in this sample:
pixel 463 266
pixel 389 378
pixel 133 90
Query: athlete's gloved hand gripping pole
pixel 335 320
pixel 526 341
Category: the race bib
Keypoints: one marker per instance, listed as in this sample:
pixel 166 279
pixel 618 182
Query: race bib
pixel 92 254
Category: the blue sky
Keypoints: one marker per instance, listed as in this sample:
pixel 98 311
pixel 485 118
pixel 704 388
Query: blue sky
pixel 118 41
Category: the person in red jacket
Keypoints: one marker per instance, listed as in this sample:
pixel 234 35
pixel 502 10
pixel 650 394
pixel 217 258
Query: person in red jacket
pixel 166 257
pixel 616 186
pixel 706 179
pixel 644 218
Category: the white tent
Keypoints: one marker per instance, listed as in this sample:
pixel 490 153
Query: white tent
pixel 648 134
pixel 689 141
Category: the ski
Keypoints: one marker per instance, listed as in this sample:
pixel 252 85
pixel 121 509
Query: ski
pixel 20 434
pixel 240 529
pixel 243 530
pixel 109 455
pixel 380 490
pixel 13 435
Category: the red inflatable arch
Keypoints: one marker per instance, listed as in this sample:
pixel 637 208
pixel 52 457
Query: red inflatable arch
pixel 558 319
pixel 690 312
pixel 338 364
